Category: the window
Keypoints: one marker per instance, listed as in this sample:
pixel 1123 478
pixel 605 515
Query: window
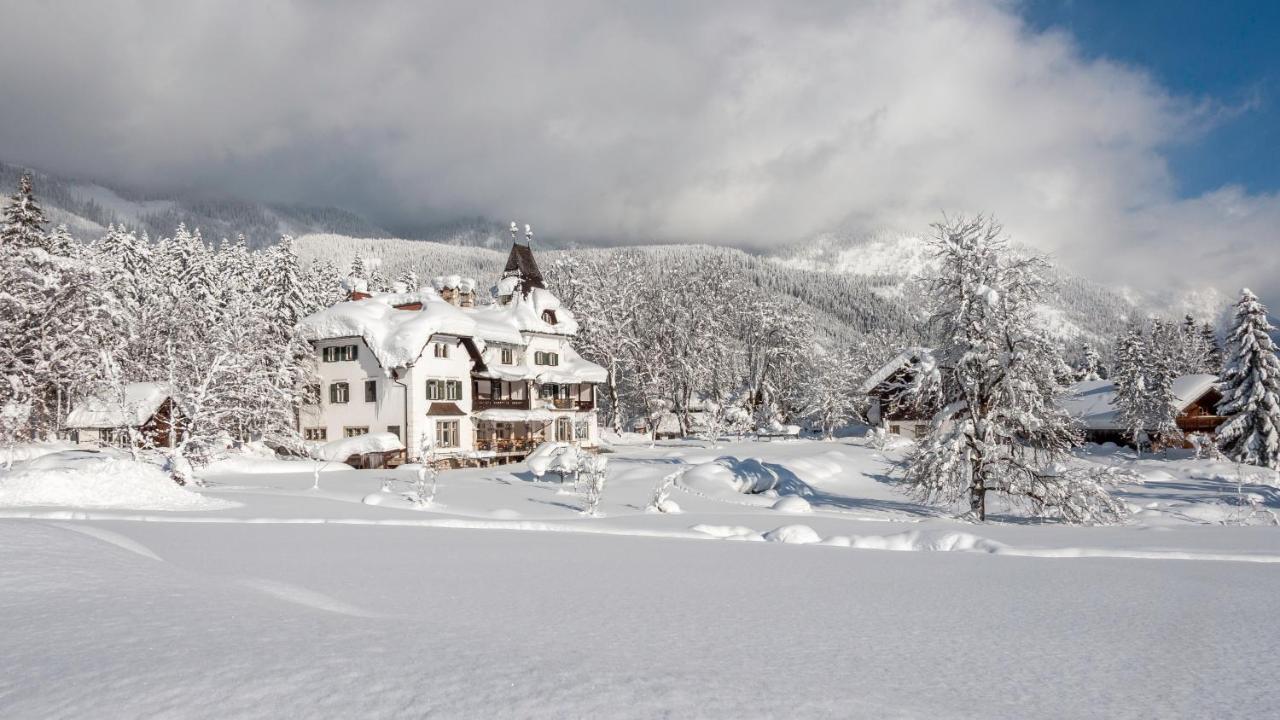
pixel 549 317
pixel 548 391
pixel 440 350
pixel 371 391
pixel 315 433
pixel 447 433
pixel 581 430
pixel 354 431
pixel 339 353
pixel 444 389
pixel 508 356
pixel 339 392
pixel 564 430
pixel 394 430
pixel 311 394
pixel 546 358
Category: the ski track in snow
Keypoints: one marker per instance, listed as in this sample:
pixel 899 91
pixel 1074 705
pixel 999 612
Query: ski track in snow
pixel 299 595
pixel 912 541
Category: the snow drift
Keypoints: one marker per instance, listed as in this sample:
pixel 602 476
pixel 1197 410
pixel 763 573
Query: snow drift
pixel 85 479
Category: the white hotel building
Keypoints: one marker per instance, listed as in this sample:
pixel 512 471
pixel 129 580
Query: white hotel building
pixel 482 380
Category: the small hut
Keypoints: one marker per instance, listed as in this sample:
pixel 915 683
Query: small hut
pixel 142 413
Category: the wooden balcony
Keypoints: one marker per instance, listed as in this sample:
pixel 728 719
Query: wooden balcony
pixel 483 403
pixel 507 446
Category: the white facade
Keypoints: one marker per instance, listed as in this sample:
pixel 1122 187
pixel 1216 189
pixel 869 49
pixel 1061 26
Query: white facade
pixel 490 380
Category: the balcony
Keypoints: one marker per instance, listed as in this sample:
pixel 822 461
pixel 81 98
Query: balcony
pixel 484 403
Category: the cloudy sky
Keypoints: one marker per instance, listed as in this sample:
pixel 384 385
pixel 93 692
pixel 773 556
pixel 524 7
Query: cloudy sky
pixel 1132 140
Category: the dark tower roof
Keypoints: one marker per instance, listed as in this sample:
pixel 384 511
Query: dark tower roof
pixel 521 263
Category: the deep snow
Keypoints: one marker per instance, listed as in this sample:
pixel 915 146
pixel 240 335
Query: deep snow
pixel 502 599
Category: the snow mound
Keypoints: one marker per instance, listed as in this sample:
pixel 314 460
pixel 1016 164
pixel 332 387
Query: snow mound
pixel 667 506
pixel 340 450
pixel 794 535
pixel 556 457
pixel 728 532
pixel 793 504
pixel 915 541
pixel 84 479
pixel 28 451
pixel 746 476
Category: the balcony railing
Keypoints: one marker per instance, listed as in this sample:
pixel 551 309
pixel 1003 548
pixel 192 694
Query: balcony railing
pixel 483 403
pixel 507 445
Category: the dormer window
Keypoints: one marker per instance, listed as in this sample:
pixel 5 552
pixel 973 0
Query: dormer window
pixel 546 358
pixel 549 317
pixel 440 350
pixel 508 356
pixel 339 353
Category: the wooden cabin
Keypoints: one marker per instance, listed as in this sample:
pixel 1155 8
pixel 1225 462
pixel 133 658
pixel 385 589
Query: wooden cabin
pixel 106 418
pixel 1196 397
pixel 890 408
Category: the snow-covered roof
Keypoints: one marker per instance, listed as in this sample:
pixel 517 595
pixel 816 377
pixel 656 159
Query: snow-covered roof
pixel 902 359
pixel 105 410
pixel 573 368
pixel 397 337
pixel 340 450
pixel 1092 402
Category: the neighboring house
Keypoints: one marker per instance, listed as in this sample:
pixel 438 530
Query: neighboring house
pixel 1092 404
pixel 889 407
pixel 481 380
pixel 107 417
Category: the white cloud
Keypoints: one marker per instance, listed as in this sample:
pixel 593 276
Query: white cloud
pixel 735 122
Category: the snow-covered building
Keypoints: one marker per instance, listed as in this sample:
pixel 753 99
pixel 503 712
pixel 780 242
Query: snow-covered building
pixel 1092 404
pixel 884 390
pixel 479 379
pixel 107 418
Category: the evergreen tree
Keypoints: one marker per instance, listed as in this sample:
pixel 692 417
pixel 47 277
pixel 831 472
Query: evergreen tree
pixel 1251 388
pixel 1090 364
pixel 1131 391
pixel 24 219
pixel 1212 363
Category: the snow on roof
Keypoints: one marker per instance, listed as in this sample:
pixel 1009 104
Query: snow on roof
pixel 340 450
pixel 104 410
pixel 573 368
pixel 1092 402
pixel 397 337
pixel 909 356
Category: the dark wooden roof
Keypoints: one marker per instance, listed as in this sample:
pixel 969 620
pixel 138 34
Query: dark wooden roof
pixel 445 409
pixel 520 262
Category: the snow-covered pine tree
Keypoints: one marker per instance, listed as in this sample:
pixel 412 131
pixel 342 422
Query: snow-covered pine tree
pixel 1090 364
pixel 1166 360
pixel 54 317
pixel 23 218
pixel 1250 388
pixel 1212 361
pixel 1001 430
pixel 1130 379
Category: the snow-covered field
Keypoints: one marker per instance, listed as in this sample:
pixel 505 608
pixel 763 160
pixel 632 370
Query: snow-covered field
pixel 267 597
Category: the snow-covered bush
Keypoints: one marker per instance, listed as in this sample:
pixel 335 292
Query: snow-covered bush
pixel 594 470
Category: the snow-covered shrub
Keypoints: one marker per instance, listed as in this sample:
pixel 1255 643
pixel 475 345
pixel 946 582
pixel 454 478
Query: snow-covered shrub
pixel 594 469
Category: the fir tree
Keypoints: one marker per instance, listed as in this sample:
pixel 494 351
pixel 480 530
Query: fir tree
pixel 1251 388
pixel 1090 364
pixel 24 219
pixel 1130 381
